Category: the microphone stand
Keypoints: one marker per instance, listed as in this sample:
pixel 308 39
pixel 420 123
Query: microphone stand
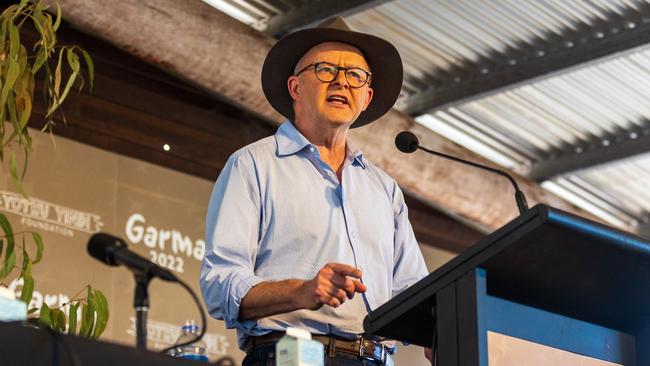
pixel 519 195
pixel 141 305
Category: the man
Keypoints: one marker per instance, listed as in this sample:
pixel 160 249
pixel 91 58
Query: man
pixel 302 229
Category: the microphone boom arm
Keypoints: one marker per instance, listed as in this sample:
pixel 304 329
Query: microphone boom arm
pixel 519 195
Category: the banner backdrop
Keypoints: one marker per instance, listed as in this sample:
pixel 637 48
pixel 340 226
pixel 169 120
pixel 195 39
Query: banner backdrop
pixel 76 190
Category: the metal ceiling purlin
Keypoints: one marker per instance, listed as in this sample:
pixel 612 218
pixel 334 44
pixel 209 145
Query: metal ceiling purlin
pixel 588 44
pixel 313 12
pixel 626 145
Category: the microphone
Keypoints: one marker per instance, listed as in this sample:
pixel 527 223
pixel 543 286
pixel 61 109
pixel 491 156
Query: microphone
pixel 407 142
pixel 113 251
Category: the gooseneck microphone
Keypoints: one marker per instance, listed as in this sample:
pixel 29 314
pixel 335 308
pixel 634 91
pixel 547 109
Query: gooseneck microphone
pixel 407 142
pixel 113 251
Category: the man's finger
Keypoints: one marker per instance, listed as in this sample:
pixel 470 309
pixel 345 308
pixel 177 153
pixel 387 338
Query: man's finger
pixel 339 294
pixel 333 302
pixel 344 283
pixel 345 270
pixel 359 286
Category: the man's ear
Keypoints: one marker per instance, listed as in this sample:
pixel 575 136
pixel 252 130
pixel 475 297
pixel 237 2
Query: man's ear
pixel 293 84
pixel 370 94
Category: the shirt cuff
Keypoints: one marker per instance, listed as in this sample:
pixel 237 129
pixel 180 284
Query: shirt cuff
pixel 240 286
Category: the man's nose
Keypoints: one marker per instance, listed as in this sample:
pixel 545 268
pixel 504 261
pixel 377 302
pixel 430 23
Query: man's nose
pixel 340 79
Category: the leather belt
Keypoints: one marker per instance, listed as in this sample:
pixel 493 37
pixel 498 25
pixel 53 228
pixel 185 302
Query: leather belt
pixel 362 347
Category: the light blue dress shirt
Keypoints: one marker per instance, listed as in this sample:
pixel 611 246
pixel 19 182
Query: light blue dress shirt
pixel 278 211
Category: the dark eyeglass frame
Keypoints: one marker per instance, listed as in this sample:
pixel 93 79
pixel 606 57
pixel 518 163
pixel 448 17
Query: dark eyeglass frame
pixel 337 69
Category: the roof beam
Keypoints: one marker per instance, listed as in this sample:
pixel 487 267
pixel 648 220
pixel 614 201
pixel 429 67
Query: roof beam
pixel 542 60
pixel 195 41
pixel 600 152
pixel 313 12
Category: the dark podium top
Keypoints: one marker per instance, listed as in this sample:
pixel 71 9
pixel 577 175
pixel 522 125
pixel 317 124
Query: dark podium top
pixel 24 345
pixel 547 259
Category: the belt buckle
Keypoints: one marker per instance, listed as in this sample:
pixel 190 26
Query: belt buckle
pixel 382 351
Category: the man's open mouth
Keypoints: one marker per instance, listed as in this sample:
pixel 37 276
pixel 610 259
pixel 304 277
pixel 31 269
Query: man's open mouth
pixel 337 99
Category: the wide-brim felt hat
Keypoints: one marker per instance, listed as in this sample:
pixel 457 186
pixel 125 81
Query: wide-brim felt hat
pixel 383 59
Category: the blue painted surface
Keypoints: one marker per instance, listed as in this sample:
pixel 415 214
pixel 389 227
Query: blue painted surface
pixel 560 332
pixel 482 312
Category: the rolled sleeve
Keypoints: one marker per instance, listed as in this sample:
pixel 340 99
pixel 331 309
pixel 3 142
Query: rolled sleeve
pixel 408 265
pixel 232 236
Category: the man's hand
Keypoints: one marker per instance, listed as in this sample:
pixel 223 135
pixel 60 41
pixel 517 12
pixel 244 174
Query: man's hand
pixel 333 284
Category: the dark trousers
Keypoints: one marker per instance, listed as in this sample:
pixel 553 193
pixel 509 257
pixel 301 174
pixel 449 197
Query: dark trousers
pixel 264 355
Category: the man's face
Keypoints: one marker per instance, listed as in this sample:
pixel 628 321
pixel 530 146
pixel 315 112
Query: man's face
pixel 333 103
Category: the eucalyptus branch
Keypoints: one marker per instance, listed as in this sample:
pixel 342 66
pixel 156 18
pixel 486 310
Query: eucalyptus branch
pixel 85 288
pixel 19 64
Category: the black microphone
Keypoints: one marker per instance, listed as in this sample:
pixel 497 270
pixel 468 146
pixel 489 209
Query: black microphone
pixel 407 142
pixel 113 251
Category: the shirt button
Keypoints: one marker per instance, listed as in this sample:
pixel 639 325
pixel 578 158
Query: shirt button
pixel 329 173
pixel 311 149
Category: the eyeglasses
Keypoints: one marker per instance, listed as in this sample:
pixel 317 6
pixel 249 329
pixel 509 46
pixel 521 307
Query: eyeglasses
pixel 327 72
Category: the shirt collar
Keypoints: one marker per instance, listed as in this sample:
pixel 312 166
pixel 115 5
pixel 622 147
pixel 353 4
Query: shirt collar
pixel 355 154
pixel 290 141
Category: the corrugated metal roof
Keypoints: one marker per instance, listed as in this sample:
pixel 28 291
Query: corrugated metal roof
pixel 527 124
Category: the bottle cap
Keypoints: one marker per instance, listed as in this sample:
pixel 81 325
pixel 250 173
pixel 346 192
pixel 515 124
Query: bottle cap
pixel 190 325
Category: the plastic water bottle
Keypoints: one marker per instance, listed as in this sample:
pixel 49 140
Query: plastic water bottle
pixel 197 351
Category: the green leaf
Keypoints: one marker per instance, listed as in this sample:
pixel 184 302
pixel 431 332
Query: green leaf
pixel 8 231
pixel 87 317
pixel 44 318
pixel 49 29
pixel 6 227
pixel 26 274
pixel 27 147
pixel 91 67
pixel 101 309
pixel 12 74
pixel 57 22
pixel 10 256
pixel 14 41
pixel 13 172
pixel 73 62
pixel 26 269
pixel 22 64
pixel 32 310
pixel 57 74
pixel 72 318
pixel 41 57
pixel 87 320
pixel 83 328
pixel 56 89
pixel 39 247
pixel 13 117
pixel 9 10
pixel 9 264
pixel 58 320
pixel 24 101
pixel 28 289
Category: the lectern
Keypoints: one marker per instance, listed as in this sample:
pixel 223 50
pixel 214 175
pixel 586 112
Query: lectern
pixel 547 277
